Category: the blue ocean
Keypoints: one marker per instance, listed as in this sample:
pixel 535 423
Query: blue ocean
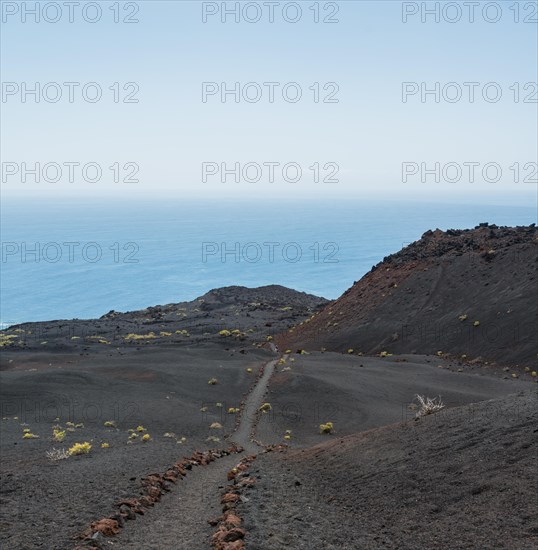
pixel 64 261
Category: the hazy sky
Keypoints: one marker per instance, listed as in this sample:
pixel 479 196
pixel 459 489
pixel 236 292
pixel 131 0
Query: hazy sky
pixel 366 135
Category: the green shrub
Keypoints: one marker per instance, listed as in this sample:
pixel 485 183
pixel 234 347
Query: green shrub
pixel 326 428
pixel 132 336
pixel 80 448
pixel 58 435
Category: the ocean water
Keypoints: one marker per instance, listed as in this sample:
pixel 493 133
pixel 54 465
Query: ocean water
pixel 127 256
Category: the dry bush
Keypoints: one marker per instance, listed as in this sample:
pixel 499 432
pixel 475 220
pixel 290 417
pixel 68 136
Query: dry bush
pixel 427 405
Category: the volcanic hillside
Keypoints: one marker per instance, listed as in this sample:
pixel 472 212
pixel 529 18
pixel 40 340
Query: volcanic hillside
pixel 233 315
pixel 463 478
pixel 469 292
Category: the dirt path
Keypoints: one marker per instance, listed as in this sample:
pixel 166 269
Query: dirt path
pixel 179 521
pixel 242 435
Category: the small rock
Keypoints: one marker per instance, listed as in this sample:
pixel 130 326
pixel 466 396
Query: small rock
pixel 229 497
pixel 108 527
pixel 127 512
pixel 119 518
pixel 233 520
pixel 234 534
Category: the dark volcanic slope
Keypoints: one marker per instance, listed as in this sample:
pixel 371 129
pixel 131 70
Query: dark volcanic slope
pixel 360 393
pixel 463 478
pixel 249 314
pixel 44 503
pixel 471 292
